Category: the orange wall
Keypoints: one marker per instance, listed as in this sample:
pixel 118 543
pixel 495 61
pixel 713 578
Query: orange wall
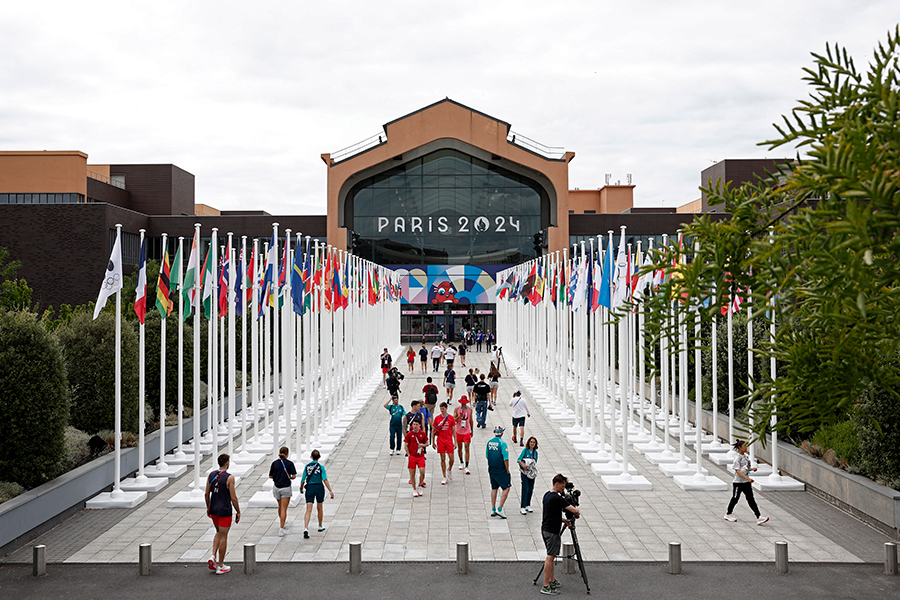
pixel 691 207
pixel 203 210
pixel 45 172
pixel 101 169
pixel 608 199
pixel 444 120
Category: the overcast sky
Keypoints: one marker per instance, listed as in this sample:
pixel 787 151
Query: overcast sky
pixel 246 96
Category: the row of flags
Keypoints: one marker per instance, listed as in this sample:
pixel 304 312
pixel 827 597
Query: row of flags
pixel 328 271
pixel 591 280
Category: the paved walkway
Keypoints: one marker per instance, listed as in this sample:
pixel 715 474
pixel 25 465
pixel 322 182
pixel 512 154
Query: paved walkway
pixel 374 505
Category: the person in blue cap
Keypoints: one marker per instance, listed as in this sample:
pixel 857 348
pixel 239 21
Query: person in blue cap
pixel 498 470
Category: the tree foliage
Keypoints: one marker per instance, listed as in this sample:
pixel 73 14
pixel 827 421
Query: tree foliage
pixel 34 400
pixel 14 292
pixel 817 242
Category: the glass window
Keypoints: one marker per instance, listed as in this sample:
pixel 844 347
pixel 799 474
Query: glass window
pixel 4 198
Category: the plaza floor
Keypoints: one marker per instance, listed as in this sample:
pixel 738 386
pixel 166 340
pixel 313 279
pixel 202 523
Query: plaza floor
pixel 374 505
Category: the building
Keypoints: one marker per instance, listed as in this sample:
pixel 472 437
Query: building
pixel 446 194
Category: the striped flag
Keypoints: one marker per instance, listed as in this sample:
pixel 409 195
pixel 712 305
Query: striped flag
pixel 163 283
pixel 191 277
pixel 140 292
pixel 207 283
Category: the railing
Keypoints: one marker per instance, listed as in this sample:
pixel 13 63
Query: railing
pixel 105 179
pixel 538 148
pixel 359 147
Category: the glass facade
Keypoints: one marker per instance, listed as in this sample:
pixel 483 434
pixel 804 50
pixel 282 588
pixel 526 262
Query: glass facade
pixel 41 198
pixel 446 208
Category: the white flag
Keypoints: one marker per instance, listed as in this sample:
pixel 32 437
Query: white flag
pixel 620 281
pixel 112 281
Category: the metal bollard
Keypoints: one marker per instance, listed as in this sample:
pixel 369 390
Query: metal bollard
pixel 249 558
pixel 39 556
pixel 781 557
pixel 890 558
pixel 462 558
pixel 675 558
pixel 355 558
pixel 144 559
pixel 568 563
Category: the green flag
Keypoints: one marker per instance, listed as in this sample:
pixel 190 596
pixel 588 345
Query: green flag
pixel 207 283
pixel 190 276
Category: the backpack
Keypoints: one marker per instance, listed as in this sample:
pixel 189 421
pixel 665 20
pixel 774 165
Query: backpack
pixel 431 396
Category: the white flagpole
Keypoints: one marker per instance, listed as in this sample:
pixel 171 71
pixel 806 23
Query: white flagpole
pixel 232 379
pixel 254 341
pixel 716 444
pixel 179 451
pixel 161 465
pixel 266 360
pixel 287 356
pixel 141 478
pixel 198 291
pixel 750 366
pixel 245 314
pixel 273 321
pixel 117 493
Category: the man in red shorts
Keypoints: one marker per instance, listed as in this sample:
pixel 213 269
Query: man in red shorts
pixel 445 440
pixel 415 442
pixel 220 497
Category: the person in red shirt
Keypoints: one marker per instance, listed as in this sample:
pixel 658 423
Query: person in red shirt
pixel 444 429
pixel 463 417
pixel 415 443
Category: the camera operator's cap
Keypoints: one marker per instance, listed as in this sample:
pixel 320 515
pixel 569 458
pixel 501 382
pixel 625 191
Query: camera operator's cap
pixel 498 430
pixel 517 393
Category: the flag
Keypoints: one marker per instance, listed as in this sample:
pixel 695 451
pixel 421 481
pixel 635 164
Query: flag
pixel 605 293
pixel 163 301
pixel 191 276
pixel 206 283
pixel 529 283
pixel 251 266
pixel 307 279
pixel 581 283
pixel 239 286
pixel 505 287
pixel 140 291
pixel 297 285
pixel 620 277
pixel 224 267
pixel 175 275
pixel 328 276
pixel 112 280
pixel 267 280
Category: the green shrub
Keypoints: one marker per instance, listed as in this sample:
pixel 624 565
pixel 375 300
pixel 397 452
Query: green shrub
pixel 34 403
pixel 877 419
pixel 77 451
pixel 88 347
pixel 8 491
pixel 152 332
pixel 842 438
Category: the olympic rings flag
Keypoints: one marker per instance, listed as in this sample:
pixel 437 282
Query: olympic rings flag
pixel 112 281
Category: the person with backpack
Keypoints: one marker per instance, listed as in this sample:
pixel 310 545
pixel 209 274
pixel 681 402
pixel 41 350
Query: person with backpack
pixel 430 392
pixel 463 417
pixel 220 497
pixel 281 473
pixel 445 440
pixel 315 480
pixel 449 381
pixel 393 381
pixel 481 391
pixel 396 423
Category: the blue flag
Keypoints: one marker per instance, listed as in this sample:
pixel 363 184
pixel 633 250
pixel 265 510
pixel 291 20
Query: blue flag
pixel 606 280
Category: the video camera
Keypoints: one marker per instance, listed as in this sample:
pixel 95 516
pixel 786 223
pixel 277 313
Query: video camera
pixel 570 494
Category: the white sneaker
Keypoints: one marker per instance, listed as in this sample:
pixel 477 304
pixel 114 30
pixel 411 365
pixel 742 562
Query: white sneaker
pixel 222 570
pixel 522 511
pixel 761 520
pixel 528 508
pixel 460 467
pixel 444 481
pixel 415 493
pixel 281 532
pixel 392 452
pixel 468 472
pixel 731 518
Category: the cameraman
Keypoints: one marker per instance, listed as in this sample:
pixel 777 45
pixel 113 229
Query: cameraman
pixel 551 528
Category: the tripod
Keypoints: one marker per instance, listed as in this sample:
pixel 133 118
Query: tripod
pixel 576 555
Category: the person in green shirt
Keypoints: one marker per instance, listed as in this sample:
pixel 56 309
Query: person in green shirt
pixel 396 423
pixel 315 480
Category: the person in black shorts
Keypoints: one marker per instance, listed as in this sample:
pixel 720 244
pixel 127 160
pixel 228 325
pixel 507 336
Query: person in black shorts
pixel 281 473
pixel 423 357
pixel 551 528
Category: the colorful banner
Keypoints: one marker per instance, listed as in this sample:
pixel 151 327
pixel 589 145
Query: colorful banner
pixel 448 284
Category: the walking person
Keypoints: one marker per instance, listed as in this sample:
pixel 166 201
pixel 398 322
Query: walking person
pixel 415 443
pixel 437 353
pixel 462 352
pixel 470 381
pixel 742 483
pixel 479 340
pixel 490 339
pixel 481 390
pixel 423 357
pixel 430 393
pixel 449 381
pixel 316 480
pixel 394 377
pixel 410 358
pixel 463 417
pixel 445 441
pixel 450 355
pixel 554 504
pixel 396 423
pixel 497 456
pixel 220 498
pixel 494 376
pixel 281 473
pixel 385 366
pixel 528 471
pixel 520 411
